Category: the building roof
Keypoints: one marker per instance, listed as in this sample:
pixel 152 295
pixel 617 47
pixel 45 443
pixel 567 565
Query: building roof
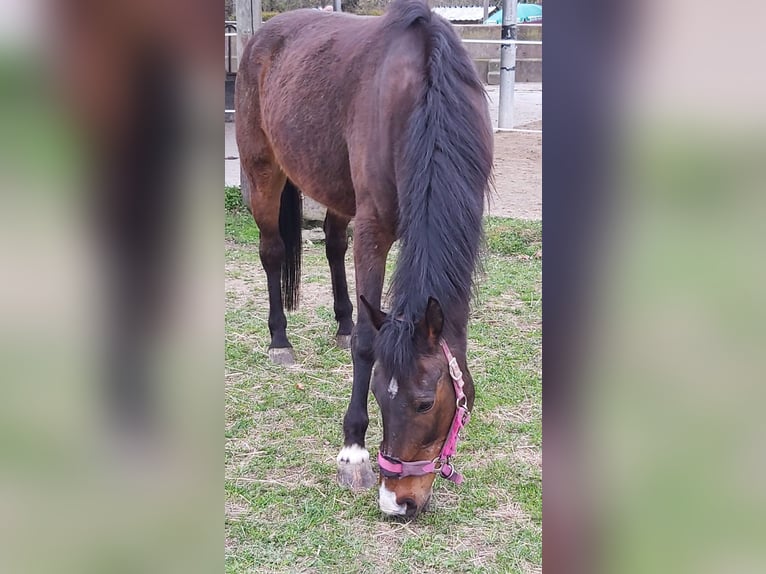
pixel 462 13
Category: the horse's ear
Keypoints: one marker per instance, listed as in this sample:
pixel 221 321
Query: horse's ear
pixel 376 315
pixel 433 322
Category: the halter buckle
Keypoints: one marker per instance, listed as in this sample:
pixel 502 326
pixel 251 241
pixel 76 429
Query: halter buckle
pixel 455 372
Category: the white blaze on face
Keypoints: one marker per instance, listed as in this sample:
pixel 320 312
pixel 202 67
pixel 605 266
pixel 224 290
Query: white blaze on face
pixel 393 388
pixel 387 502
pixel 353 454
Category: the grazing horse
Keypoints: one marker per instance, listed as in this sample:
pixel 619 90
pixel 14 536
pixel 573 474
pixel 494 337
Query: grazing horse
pixel 383 120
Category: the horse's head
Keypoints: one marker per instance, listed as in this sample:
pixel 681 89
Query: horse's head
pixel 418 415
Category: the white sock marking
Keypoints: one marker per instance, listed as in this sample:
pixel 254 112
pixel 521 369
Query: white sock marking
pixel 387 501
pixel 353 454
pixel 393 388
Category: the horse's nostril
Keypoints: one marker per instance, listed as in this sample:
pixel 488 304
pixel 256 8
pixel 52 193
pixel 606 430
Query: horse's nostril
pixel 412 507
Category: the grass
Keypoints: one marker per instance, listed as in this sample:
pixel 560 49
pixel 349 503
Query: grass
pixel 284 511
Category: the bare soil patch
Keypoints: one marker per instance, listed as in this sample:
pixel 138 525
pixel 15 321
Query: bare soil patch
pixel 518 174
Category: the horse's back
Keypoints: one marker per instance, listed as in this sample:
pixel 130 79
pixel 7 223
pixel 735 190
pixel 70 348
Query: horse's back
pixel 330 96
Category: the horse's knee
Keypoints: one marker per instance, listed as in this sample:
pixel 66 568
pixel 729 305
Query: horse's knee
pixel 362 343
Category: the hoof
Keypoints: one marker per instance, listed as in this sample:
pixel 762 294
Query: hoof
pixel 283 356
pixel 343 341
pixel 356 476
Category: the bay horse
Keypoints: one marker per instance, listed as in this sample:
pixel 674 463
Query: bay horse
pixel 384 120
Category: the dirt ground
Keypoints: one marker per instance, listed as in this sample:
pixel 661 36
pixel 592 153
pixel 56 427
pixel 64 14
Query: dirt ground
pixel 518 174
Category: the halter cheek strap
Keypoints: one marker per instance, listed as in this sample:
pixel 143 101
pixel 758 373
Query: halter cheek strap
pixel 441 465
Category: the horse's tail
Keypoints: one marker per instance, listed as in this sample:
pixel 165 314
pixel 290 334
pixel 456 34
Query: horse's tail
pixel 290 221
pixel 445 165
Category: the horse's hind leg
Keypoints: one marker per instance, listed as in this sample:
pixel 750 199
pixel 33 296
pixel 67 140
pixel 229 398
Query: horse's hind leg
pixel 336 244
pixel 266 185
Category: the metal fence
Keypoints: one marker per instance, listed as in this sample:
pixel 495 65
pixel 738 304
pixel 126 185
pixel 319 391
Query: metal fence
pixel 230 33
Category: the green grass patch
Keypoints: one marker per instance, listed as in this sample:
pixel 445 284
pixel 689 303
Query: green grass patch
pixel 284 510
pixel 241 228
pixel 233 198
pixel 513 236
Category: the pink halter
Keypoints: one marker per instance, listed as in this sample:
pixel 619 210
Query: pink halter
pixel 392 468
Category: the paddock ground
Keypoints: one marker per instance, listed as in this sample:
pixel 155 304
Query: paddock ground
pixel 284 512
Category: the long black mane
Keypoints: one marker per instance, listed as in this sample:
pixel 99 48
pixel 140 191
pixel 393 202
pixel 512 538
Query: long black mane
pixel 443 175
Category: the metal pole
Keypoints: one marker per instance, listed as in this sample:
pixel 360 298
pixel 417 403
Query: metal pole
pixel 486 11
pixel 507 66
pixel 336 5
pixel 248 21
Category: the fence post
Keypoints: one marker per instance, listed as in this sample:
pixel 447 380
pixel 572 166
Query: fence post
pixel 248 21
pixel 507 66
pixel 336 5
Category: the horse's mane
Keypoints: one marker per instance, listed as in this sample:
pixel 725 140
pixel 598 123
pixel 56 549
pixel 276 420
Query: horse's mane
pixel 443 172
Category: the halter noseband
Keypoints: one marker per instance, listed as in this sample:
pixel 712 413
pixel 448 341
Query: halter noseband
pixel 441 465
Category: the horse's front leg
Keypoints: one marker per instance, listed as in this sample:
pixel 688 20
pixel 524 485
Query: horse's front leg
pixel 370 251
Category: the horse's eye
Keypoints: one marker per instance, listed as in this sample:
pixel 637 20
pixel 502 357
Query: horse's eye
pixel 425 407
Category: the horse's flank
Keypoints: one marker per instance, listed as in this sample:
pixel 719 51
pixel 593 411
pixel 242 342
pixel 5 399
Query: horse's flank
pixel 324 86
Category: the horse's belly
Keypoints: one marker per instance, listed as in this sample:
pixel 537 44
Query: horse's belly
pixel 340 200
pixel 321 172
